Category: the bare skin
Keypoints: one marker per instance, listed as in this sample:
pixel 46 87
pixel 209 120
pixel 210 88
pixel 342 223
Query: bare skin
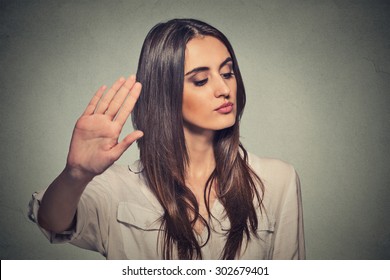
pixel 94 147
pixel 205 89
pixel 201 165
pixel 95 144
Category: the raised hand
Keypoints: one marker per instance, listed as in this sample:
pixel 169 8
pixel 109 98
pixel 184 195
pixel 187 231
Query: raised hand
pixel 95 142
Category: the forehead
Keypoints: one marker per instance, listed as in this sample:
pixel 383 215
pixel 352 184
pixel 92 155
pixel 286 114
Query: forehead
pixel 205 51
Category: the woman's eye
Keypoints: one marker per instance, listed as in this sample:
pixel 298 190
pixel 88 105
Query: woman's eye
pixel 227 75
pixel 200 83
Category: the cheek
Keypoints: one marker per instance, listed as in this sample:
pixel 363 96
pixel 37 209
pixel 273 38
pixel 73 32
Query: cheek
pixel 191 105
pixel 233 88
pixel 194 102
pixel 188 102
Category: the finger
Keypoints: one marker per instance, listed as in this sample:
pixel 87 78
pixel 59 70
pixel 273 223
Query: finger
pixel 117 102
pixel 94 101
pixel 106 99
pixel 121 147
pixel 129 103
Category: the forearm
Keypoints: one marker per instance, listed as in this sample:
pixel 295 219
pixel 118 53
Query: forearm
pixel 94 147
pixel 59 203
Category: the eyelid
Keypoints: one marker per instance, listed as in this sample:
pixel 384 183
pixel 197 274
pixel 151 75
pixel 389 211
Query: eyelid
pixel 199 83
pixel 227 75
pixel 227 71
pixel 228 65
pixel 199 79
pixel 198 76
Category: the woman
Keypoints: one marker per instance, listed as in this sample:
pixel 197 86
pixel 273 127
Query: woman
pixel 195 193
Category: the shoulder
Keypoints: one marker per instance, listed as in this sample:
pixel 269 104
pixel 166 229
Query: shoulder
pixel 282 190
pixel 113 172
pixel 116 176
pixel 118 182
pixel 125 183
pixel 272 170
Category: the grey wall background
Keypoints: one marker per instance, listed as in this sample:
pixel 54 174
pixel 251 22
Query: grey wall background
pixel 317 75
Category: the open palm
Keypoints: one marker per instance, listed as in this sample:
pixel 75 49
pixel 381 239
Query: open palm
pixel 95 142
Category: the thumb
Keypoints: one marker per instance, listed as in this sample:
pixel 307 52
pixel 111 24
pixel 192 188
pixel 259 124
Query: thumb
pixel 122 146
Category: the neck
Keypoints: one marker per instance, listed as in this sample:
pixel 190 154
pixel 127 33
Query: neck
pixel 200 152
pixel 200 166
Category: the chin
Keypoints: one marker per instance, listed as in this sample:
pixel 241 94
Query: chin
pixel 215 125
pixel 225 125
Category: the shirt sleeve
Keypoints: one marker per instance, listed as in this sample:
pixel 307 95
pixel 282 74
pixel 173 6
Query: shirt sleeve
pixel 289 242
pixel 92 221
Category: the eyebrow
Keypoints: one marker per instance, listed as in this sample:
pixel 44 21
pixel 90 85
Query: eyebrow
pixel 203 68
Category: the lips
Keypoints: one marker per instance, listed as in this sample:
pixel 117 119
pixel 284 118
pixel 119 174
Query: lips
pixel 225 108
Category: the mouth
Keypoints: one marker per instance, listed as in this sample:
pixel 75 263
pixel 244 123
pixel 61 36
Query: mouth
pixel 225 108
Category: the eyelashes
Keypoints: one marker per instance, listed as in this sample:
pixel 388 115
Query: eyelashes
pixel 200 83
pixel 225 76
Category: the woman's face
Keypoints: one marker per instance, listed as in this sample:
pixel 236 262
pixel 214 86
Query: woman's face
pixel 210 87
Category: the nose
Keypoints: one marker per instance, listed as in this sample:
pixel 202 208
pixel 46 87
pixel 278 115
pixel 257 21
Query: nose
pixel 221 87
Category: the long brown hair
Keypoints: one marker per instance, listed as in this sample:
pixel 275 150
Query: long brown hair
pixel 163 152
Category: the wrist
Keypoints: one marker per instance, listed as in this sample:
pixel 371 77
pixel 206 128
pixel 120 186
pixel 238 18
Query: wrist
pixel 77 175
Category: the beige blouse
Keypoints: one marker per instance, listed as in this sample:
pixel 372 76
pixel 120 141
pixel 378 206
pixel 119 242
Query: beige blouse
pixel 118 216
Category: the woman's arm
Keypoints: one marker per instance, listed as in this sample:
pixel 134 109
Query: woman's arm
pixel 94 147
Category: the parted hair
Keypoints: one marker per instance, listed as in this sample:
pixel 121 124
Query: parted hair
pixel 163 152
